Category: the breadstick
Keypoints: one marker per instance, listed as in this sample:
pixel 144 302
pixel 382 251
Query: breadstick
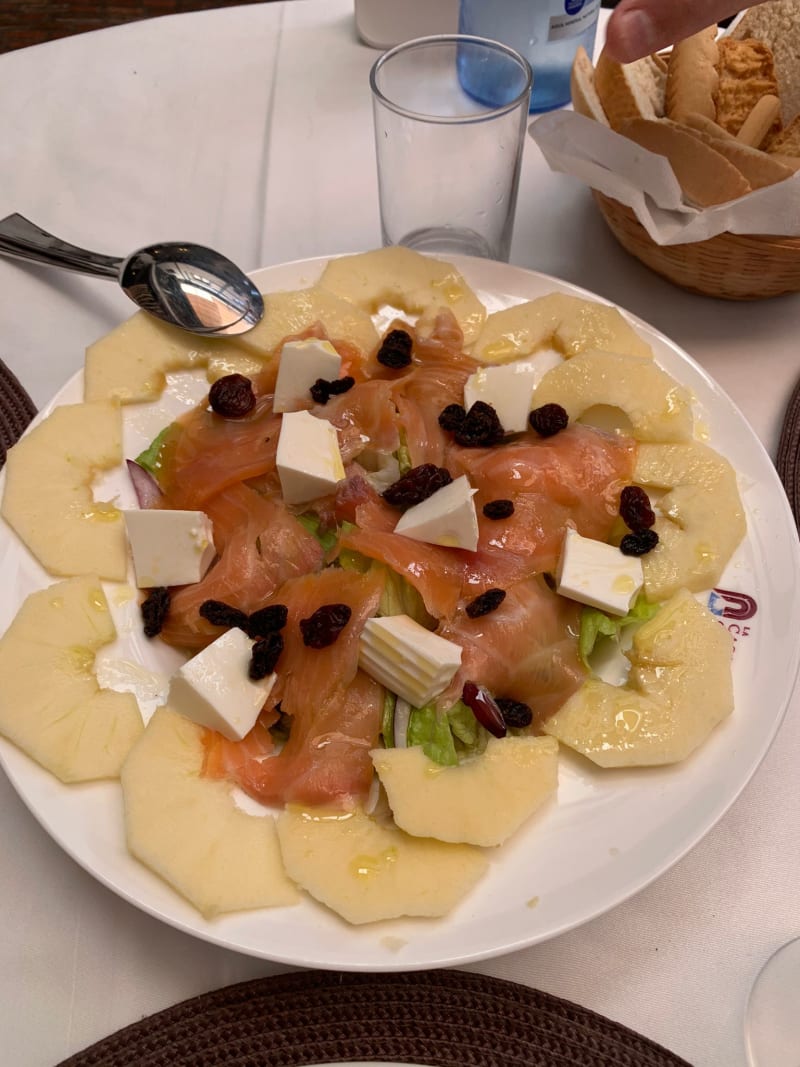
pixel 755 127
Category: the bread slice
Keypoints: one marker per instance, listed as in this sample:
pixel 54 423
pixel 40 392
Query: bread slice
pixel 792 162
pixel 746 73
pixel 705 125
pixel 630 90
pixel 692 81
pixel 787 142
pixel 704 174
pixel 778 25
pixel 757 167
pixel 584 94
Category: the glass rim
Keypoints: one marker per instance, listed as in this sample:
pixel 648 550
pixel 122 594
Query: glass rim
pixel 451 39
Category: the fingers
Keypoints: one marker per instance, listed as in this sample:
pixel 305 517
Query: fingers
pixel 638 27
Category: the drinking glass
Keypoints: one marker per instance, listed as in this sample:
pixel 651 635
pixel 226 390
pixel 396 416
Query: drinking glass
pixel 772 1018
pixel 448 162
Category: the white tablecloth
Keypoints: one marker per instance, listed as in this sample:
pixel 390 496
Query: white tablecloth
pixel 249 129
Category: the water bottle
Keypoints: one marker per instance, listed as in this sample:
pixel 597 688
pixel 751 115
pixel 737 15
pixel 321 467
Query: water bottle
pixel 546 32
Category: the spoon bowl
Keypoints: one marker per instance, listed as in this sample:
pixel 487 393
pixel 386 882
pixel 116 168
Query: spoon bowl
pixel 186 285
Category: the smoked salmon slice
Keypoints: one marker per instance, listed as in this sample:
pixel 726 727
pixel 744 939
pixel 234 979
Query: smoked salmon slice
pixel 436 378
pixel 326 760
pixel 334 708
pixel 260 545
pixel 574 478
pixel 526 649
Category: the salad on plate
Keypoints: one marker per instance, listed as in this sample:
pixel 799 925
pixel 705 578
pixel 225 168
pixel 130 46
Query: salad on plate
pixel 399 556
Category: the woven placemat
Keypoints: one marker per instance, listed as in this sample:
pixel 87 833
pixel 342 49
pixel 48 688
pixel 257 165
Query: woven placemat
pixel 448 1018
pixel 788 458
pixel 16 410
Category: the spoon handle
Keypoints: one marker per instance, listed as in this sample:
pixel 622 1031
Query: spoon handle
pixel 23 240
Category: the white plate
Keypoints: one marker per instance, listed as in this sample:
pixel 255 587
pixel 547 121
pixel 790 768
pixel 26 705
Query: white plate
pixel 611 832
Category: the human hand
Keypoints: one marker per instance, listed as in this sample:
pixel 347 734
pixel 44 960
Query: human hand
pixel 638 27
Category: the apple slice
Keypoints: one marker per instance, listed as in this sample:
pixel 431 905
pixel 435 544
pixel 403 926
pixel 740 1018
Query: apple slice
pixel 188 829
pixel 48 496
pixel 482 801
pixel 654 404
pixel 567 323
pixel 679 688
pixel 294 311
pixel 130 363
pixel 404 279
pixel 50 703
pixel 699 520
pixel 366 871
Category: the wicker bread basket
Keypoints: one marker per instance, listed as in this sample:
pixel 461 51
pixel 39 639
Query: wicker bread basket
pixel 730 266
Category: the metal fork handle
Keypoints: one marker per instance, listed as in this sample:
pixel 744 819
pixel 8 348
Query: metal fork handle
pixel 22 239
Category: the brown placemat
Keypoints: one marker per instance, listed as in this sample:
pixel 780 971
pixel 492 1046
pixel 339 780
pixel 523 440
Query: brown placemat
pixel 788 458
pixel 16 410
pixel 29 22
pixel 448 1018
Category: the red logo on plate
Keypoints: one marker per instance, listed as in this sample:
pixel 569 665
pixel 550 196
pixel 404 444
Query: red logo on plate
pixel 730 605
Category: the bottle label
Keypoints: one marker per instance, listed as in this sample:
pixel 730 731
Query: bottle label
pixel 579 16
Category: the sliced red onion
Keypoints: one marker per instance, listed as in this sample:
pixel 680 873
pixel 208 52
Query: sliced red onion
pixel 148 493
pixel 484 707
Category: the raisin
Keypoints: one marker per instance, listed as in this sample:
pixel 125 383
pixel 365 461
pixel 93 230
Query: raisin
pixel 267 620
pixel 395 350
pixel 155 608
pixel 498 509
pixel 265 656
pixel 486 602
pixel 452 417
pixel 232 396
pixel 341 385
pixel 634 508
pixel 548 420
pixel 516 715
pixel 639 543
pixel 481 427
pixel 220 614
pixel 484 707
pixel 322 390
pixel 417 485
pixel 324 626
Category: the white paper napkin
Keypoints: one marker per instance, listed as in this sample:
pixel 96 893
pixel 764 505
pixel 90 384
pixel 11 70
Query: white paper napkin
pixel 621 169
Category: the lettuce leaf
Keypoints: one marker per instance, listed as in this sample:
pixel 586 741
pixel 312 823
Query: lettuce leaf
pixel 402 455
pixel 399 597
pixel 387 719
pixel 446 737
pixel 426 727
pixel 313 523
pixel 596 624
pixel 152 457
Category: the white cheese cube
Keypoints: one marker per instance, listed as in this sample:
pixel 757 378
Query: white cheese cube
pixel 598 574
pixel 169 547
pixel 301 363
pixel 508 387
pixel 408 659
pixel 308 460
pixel 213 688
pixel 446 518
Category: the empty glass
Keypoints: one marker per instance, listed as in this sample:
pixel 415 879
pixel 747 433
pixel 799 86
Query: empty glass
pixel 448 163
pixel 772 1020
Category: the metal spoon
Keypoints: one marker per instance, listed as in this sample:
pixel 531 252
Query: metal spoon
pixel 185 285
